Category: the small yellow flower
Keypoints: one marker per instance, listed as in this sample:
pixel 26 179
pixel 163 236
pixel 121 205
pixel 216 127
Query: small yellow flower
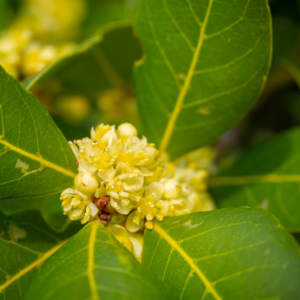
pixel 86 183
pixel 127 129
pixel 171 189
pixel 78 206
pixel 133 242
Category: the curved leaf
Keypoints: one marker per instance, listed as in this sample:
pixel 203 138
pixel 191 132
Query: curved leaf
pixel 26 242
pixel 104 12
pixel 102 62
pixel 233 254
pixel 49 207
pixel 267 176
pixel 35 158
pixel 205 63
pixel 94 265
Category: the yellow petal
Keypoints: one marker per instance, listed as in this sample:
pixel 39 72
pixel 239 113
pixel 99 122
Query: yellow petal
pixel 154 190
pixel 132 226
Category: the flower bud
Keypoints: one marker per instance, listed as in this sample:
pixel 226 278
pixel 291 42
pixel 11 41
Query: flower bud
pixel 86 183
pixel 171 189
pixel 126 129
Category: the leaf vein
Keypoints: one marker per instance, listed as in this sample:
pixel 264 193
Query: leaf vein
pixel 21 246
pixel 228 92
pixel 39 159
pixel 179 102
pixel 161 50
pixel 193 13
pixel 275 266
pixel 215 228
pixel 90 269
pixel 231 25
pixel 38 262
pixel 188 259
pixel 188 42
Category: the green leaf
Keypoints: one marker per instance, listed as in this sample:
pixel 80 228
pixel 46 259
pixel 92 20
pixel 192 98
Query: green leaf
pixel 94 265
pixel 103 12
pixel 102 62
pixel 267 176
pixel 35 158
pixel 234 254
pixel 26 241
pixel 49 206
pixel 205 63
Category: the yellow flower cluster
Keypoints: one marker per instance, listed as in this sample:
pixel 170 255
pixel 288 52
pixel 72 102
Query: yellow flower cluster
pixel 118 171
pixel 193 170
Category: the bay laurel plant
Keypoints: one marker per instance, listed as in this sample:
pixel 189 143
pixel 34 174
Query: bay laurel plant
pixel 142 214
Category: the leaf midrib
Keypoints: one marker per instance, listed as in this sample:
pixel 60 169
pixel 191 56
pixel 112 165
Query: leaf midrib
pixel 188 259
pixel 91 265
pixel 39 159
pixel 36 263
pixel 171 123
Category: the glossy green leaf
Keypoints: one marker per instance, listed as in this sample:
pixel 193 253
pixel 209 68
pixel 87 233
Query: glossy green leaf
pixel 226 254
pixel 267 176
pixel 205 63
pixel 35 158
pixel 102 62
pixel 94 265
pixel 26 241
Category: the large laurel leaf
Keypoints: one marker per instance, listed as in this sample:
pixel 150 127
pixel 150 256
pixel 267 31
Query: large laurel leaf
pixel 94 265
pixel 35 158
pixel 205 63
pixel 226 254
pixel 26 242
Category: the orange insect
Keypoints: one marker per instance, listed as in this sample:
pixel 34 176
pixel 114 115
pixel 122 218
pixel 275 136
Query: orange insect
pixel 106 210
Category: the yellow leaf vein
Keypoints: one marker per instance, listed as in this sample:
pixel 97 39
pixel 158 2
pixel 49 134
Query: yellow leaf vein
pixel 39 159
pixel 189 260
pixel 186 85
pixel 36 263
pixel 91 265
